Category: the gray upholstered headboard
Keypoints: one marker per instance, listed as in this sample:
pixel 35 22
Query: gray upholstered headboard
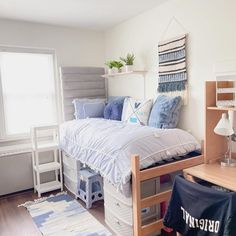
pixel 80 82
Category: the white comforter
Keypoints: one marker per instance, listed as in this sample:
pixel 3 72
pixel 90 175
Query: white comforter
pixel 107 146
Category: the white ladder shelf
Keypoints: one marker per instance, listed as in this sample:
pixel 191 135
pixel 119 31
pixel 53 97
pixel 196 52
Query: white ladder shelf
pixel 46 139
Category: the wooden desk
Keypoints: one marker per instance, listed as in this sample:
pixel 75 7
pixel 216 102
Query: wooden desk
pixel 215 173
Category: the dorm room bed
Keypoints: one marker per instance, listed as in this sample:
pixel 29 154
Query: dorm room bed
pixel 107 146
pixel 85 82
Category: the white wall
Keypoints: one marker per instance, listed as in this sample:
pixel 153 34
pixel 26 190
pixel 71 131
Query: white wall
pixel 74 47
pixel 210 25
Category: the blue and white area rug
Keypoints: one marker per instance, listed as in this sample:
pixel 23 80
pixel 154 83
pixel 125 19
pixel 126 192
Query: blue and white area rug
pixel 60 214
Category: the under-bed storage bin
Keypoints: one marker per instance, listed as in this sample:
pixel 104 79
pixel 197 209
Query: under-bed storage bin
pixel 149 188
pixel 71 162
pixel 120 227
pixel 71 173
pixel 109 188
pixel 71 169
pixel 71 185
pixel 121 209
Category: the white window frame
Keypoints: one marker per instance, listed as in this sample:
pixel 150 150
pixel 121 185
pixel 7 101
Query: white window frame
pixel 3 136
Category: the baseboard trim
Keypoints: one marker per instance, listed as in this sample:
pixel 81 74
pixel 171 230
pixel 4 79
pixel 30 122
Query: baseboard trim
pixel 16 193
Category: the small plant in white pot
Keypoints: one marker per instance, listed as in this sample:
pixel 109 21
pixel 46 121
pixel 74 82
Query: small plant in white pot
pixel 118 65
pixel 110 65
pixel 129 61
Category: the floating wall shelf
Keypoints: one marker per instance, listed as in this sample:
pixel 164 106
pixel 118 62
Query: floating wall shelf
pixel 124 73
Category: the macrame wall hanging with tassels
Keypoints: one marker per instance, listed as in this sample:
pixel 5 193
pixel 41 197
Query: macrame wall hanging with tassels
pixel 172 66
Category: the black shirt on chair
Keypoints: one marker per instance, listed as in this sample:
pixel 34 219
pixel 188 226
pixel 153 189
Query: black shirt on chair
pixel 196 210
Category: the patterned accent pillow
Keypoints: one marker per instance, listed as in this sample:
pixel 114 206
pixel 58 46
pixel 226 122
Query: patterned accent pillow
pixel 136 111
pixel 165 112
pixel 85 108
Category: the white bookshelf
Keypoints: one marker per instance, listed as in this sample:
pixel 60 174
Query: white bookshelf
pixel 49 186
pixel 39 147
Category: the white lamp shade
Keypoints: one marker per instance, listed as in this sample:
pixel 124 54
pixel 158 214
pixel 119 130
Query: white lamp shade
pixel 224 127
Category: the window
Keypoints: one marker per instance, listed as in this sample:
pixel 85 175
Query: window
pixel 27 91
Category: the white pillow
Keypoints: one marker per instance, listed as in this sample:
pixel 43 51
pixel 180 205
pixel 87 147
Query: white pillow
pixel 136 111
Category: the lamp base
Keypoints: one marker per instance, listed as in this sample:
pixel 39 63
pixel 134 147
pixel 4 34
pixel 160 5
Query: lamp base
pixel 228 163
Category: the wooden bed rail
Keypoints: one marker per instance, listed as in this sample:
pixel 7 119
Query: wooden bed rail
pixel 140 175
pixel 168 168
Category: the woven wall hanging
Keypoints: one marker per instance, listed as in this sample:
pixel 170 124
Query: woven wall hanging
pixel 172 66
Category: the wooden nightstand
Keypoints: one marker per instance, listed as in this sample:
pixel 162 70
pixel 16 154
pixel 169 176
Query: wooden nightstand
pixel 214 173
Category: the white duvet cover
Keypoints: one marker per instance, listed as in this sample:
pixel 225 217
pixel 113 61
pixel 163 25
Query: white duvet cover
pixel 107 146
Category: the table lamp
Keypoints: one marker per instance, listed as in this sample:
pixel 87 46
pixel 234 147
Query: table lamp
pixel 224 128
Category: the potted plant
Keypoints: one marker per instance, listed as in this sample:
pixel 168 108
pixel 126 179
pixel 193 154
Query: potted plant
pixel 118 65
pixel 129 61
pixel 110 65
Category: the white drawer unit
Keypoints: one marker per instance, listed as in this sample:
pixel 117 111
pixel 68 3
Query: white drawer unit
pixel 109 188
pixel 71 168
pixel 70 172
pixel 70 162
pixel 71 185
pixel 119 209
pixel 122 210
pixel 120 227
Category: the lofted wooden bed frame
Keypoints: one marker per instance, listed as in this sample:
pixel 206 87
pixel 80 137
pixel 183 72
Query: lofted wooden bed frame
pixel 140 175
pixel 86 82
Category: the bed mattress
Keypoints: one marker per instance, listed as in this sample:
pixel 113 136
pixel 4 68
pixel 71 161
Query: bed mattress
pixel 107 146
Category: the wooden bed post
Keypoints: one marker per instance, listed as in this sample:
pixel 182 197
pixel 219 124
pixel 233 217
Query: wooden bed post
pixel 136 193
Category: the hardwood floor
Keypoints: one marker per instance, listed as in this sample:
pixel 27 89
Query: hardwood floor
pixel 16 221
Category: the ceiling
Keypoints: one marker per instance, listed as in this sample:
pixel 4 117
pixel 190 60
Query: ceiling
pixel 89 14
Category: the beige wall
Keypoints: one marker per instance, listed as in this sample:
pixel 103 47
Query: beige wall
pixel 210 25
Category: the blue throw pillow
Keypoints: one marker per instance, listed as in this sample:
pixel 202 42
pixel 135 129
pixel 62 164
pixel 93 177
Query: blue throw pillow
pixel 119 99
pixel 88 108
pixel 165 112
pixel 113 110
